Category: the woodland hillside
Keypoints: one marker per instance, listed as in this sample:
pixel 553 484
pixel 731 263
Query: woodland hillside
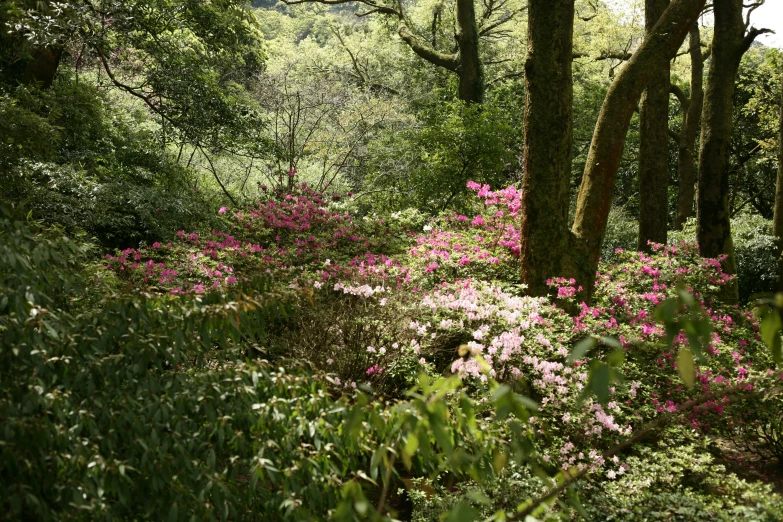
pixel 391 260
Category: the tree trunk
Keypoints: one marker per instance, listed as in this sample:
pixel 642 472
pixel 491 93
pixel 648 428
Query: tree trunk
pixel 686 171
pixel 713 225
pixel 777 220
pixel 654 145
pixel 42 66
pixel 603 160
pixel 545 243
pixel 471 74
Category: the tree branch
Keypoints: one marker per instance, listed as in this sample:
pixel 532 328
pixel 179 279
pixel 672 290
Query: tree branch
pixel 680 94
pixel 751 36
pixel 447 61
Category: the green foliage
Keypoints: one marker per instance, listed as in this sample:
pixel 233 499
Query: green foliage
pixel 675 480
pixel 755 250
pixel 91 163
pixel 128 408
pixel 454 144
pixel 622 231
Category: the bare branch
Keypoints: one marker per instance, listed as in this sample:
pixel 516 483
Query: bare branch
pixel 751 36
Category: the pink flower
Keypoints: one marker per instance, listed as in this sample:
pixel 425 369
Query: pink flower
pixel 222 210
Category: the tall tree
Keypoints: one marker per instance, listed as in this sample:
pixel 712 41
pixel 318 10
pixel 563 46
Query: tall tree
pixel 686 138
pixel 654 144
pixel 777 220
pixel 713 226
pixel 546 242
pixel 547 248
pixel 603 160
pixel 464 61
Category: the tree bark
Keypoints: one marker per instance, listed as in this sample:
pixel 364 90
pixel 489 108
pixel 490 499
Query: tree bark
pixel 713 225
pixel 470 71
pixel 595 193
pixel 686 170
pixel 654 145
pixel 42 66
pixel 545 245
pixel 777 220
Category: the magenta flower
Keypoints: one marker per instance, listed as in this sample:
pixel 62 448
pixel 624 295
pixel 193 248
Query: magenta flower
pixel 222 210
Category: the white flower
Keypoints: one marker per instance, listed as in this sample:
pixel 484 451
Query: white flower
pixel 427 228
pixel 381 350
pixel 329 361
pixel 611 474
pixel 318 284
pixel 422 361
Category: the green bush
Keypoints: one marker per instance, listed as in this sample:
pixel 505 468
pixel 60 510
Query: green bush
pixel 428 167
pixel 754 248
pixel 622 231
pixel 79 159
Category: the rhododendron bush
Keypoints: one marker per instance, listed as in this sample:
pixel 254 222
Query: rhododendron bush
pixel 381 301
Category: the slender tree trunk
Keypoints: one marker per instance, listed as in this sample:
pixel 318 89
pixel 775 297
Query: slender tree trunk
pixel 777 220
pixel 713 225
pixel 686 170
pixel 471 74
pixel 603 160
pixel 654 145
pixel 545 244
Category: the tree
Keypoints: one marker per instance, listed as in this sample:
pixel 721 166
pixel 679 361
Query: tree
pixel 686 138
pixel 545 240
pixel 777 221
pixel 595 193
pixel 731 40
pixel 654 145
pixel 547 248
pixel 464 60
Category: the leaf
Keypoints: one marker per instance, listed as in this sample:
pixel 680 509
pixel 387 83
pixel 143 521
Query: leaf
pixel 173 513
pixel 612 342
pixel 462 512
pixel 479 497
pixel 599 382
pixel 581 349
pixel 770 332
pixel 686 367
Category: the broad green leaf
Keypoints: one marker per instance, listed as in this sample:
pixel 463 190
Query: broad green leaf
pixel 686 367
pixel 581 349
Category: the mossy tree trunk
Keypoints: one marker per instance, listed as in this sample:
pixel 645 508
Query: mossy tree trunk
pixel 777 220
pixel 603 160
pixel 713 224
pixel 471 74
pixel 686 169
pixel 545 245
pixel 654 144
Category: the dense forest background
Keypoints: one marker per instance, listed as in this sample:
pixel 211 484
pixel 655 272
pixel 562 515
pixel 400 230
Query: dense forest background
pixel 368 260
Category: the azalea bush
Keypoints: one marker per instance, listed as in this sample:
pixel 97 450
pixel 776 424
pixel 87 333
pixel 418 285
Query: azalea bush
pixel 382 300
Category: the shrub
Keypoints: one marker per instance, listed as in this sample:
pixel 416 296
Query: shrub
pixel 755 251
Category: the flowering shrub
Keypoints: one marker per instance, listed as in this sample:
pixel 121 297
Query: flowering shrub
pixel 380 303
